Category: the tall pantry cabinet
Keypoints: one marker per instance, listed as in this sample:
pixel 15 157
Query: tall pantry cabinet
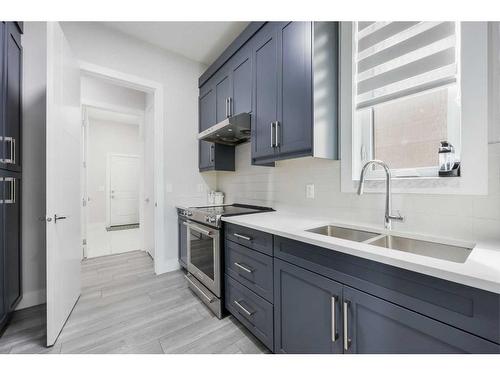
pixel 10 168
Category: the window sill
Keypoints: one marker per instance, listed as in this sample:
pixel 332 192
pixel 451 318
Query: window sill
pixel 416 185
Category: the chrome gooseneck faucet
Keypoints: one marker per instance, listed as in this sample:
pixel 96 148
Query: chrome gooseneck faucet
pixel 388 197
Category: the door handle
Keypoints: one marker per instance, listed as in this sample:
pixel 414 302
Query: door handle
pixel 59 218
pixel 211 153
pixel 334 320
pixel 347 340
pixel 229 106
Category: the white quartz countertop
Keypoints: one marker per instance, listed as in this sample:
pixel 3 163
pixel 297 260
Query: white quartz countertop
pixel 480 270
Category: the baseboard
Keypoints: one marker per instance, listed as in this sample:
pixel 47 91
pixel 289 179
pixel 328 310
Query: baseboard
pixel 32 298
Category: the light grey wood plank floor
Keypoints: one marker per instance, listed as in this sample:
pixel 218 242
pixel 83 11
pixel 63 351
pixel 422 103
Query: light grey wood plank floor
pixel 125 308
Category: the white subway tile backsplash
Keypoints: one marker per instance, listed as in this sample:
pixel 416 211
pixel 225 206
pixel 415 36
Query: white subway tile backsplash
pixel 283 187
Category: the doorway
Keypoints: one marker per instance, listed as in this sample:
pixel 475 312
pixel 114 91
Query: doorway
pixel 113 181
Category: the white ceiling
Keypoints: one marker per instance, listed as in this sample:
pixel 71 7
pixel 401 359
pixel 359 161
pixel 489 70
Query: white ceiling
pixel 198 41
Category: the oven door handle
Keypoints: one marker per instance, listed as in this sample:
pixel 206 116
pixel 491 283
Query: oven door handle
pixel 198 229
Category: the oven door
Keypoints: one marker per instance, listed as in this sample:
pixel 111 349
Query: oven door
pixel 203 253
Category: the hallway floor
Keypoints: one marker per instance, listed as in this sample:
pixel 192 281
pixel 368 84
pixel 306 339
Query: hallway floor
pixel 125 308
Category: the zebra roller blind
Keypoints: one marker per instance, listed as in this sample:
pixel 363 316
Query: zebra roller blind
pixel 397 59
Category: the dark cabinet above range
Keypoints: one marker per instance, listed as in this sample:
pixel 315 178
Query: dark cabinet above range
pixel 272 71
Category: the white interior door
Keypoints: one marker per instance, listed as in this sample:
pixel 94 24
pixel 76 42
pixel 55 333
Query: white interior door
pixel 64 250
pixel 123 189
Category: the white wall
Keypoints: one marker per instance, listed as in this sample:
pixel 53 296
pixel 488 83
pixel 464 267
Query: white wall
pixel 99 45
pixel 100 91
pixel 33 154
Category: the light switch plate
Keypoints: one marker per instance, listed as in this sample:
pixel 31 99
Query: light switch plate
pixel 310 191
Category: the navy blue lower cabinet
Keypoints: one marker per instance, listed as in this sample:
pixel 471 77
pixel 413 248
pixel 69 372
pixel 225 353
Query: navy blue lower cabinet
pixel 373 325
pixel 307 311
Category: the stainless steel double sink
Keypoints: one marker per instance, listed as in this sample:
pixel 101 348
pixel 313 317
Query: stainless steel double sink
pixel 430 249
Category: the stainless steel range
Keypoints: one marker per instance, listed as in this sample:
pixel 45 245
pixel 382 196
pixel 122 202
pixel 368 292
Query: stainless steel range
pixel 204 249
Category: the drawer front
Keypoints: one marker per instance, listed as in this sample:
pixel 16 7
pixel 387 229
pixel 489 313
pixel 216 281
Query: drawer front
pixel 250 238
pixel 252 311
pixel 472 310
pixel 251 268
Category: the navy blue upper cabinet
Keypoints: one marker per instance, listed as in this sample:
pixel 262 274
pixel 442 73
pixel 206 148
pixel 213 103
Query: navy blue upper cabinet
pixel 207 118
pixel 375 326
pixel 222 94
pixel 241 80
pixel 282 92
pixel 307 311
pixel 295 89
pixel 265 111
pixel 11 97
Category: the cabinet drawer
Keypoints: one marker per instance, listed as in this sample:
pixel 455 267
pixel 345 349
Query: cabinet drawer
pixel 252 311
pixel 251 268
pixel 250 238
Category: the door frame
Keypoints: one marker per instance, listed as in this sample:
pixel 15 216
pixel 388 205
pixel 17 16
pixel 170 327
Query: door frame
pixel 156 89
pixel 109 155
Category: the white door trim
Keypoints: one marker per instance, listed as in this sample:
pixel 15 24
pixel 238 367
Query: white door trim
pixel 108 182
pixel 156 88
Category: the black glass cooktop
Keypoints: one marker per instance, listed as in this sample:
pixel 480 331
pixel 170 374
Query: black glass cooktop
pixel 233 209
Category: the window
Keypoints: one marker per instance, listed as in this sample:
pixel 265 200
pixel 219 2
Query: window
pixel 406 94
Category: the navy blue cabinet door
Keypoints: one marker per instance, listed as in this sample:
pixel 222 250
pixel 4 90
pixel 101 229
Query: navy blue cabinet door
pixel 2 93
pixel 13 70
pixel 241 76
pixel 3 308
pixel 377 326
pixel 295 88
pixel 307 311
pixel 222 94
pixel 265 87
pixel 207 119
pixel 11 238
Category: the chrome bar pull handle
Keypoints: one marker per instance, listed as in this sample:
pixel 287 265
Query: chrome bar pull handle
pixel 12 190
pixel 277 134
pixel 13 150
pixel 230 106
pixel 240 306
pixel 242 267
pixel 347 340
pixel 246 238
pixel 334 320
pixel 272 134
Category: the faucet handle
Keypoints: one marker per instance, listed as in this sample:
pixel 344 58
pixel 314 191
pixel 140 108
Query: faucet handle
pixel 397 217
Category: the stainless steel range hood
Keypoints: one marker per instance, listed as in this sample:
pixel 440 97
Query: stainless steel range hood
pixel 231 131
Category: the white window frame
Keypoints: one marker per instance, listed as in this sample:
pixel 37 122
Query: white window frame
pixel 473 83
